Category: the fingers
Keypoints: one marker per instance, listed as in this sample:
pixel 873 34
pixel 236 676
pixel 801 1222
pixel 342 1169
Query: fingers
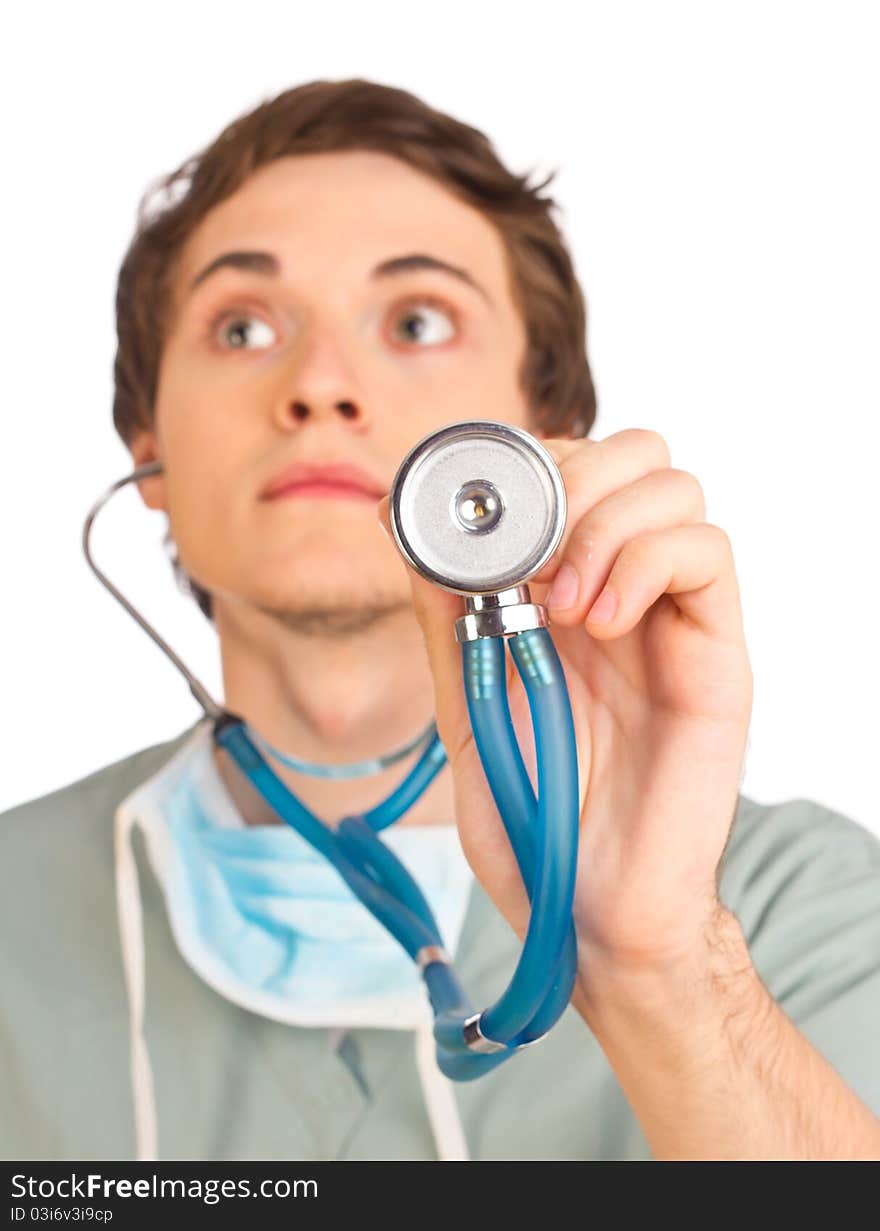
pixel 659 500
pixel 636 530
pixel 693 564
pixel 592 470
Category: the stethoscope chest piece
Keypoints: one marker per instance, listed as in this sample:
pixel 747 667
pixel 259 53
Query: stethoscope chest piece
pixel 477 507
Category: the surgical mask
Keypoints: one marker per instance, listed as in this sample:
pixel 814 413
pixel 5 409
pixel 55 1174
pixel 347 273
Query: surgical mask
pixel 269 923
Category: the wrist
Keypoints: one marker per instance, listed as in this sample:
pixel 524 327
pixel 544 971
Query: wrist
pixel 712 981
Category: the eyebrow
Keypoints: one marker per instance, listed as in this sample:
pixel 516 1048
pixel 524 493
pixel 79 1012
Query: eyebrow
pixel 268 264
pixel 421 260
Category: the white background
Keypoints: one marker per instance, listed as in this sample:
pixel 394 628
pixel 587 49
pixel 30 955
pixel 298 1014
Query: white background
pixel 718 185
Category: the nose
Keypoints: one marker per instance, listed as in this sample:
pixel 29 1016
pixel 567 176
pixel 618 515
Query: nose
pixel 323 385
pixel 300 410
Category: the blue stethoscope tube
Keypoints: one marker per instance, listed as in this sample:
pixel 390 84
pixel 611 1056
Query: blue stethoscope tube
pixel 544 837
pixel 543 833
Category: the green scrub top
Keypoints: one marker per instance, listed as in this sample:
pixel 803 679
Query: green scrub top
pixel 803 881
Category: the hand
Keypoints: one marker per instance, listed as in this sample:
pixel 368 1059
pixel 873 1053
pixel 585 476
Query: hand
pixel 661 695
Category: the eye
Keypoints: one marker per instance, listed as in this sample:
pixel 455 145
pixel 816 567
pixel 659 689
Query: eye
pixel 234 329
pixel 425 322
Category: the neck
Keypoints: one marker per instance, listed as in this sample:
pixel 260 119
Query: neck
pixel 330 689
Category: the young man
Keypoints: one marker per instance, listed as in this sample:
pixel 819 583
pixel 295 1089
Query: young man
pixel 344 271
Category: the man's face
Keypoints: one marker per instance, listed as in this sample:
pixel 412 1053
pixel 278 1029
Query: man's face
pixel 327 360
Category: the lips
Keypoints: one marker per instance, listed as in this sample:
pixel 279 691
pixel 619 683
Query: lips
pixel 316 479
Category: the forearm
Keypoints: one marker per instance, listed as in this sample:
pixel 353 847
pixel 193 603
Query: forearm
pixel 712 1067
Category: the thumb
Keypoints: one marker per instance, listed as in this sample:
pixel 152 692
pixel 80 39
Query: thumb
pixel 436 611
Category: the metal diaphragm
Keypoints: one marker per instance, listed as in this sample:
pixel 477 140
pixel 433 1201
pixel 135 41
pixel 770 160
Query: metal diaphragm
pixel 478 506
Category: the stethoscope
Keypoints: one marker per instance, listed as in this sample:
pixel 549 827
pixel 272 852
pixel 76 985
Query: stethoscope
pixel 476 507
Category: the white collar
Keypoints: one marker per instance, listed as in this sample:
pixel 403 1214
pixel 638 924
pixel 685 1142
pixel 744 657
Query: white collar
pixel 140 808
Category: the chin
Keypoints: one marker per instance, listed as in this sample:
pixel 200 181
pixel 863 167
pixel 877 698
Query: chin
pixel 306 587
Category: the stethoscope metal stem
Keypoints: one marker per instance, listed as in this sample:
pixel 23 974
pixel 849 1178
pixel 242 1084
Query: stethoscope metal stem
pixel 502 614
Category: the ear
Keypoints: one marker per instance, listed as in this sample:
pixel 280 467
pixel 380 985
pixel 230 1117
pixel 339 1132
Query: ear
pixel 534 419
pixel 531 426
pixel 144 447
pixel 543 435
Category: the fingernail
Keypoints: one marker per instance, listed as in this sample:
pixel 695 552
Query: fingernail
pixel 564 591
pixel 602 611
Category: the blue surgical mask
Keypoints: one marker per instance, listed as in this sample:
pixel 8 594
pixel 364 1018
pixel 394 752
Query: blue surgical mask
pixel 269 923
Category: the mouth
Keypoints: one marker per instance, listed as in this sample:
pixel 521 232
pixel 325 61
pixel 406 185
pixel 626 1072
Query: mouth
pixel 328 481
pixel 324 491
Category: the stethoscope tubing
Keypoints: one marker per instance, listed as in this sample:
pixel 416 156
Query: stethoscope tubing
pixel 412 931
pixel 511 787
pixel 542 983
pixel 543 832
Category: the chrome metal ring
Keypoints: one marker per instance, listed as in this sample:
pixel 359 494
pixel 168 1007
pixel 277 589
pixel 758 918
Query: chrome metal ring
pixel 432 953
pixel 475 1040
pixel 500 622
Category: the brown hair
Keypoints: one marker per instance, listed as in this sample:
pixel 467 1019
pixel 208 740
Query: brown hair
pixel 324 116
